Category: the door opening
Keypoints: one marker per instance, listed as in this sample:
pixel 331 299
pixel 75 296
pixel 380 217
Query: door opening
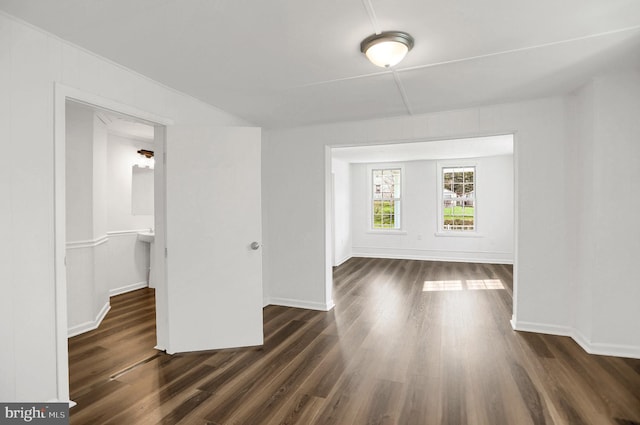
pixel 110 246
pixel 94 207
pixel 408 217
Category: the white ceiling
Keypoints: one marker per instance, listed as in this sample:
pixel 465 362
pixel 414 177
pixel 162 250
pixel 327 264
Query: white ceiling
pixel 125 126
pixel 293 62
pixel 476 147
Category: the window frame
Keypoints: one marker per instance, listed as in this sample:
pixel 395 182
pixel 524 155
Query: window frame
pixel 441 231
pixel 399 219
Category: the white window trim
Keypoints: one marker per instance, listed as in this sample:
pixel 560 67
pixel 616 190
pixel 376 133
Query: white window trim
pixel 386 231
pixel 385 166
pixel 456 233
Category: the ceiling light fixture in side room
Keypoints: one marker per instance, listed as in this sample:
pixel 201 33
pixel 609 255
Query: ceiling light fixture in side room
pixel 147 160
pixel 388 48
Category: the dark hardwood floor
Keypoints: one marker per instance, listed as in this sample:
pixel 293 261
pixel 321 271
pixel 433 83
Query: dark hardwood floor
pixel 125 337
pixel 409 342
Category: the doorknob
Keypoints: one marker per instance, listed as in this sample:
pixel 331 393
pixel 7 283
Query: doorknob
pixel 255 245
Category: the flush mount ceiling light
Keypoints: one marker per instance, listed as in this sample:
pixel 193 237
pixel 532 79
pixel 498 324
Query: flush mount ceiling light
pixel 387 48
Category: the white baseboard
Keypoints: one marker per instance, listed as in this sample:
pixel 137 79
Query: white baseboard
pixel 541 328
pixel 93 324
pixel 342 261
pixel 309 305
pixel 463 257
pixel 604 349
pixel 590 347
pixel 90 325
pixel 128 288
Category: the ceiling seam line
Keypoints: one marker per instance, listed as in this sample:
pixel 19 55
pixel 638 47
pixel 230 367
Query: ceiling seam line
pixel 521 49
pixel 402 91
pixel 417 67
pixel 372 15
pixel 338 80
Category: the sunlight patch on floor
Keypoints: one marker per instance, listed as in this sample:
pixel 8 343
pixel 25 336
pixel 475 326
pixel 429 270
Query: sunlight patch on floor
pixel 459 285
pixel 442 285
pixel 485 284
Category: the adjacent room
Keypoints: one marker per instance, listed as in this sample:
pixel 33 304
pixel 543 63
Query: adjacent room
pixel 444 200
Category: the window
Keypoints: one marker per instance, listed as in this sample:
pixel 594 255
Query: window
pixel 385 198
pixel 458 199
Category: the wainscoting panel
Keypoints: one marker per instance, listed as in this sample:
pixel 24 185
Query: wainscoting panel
pixel 80 286
pixel 97 269
pixel 128 261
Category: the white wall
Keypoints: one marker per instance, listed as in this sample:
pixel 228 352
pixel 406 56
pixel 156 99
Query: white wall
pixel 86 197
pixel 79 172
pixel 101 250
pixel 295 242
pixel 580 197
pixel 122 156
pixel 79 218
pixel 100 177
pixel 342 239
pixel 604 138
pixel 30 62
pixel 128 257
pixel 617 133
pixel 81 244
pixel 419 238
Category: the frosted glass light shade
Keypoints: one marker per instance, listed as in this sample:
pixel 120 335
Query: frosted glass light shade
pixel 387 49
pixel 387 53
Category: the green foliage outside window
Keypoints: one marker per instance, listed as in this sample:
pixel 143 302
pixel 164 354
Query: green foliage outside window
pixel 458 198
pixel 386 199
pixel 384 216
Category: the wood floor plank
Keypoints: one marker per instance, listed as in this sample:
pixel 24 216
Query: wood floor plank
pixel 408 343
pixel 301 410
pixel 240 396
pixel 382 404
pixel 263 405
pixel 144 394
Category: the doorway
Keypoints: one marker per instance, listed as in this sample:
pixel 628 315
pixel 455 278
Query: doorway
pixel 418 223
pixel 109 174
pixel 109 241
pixel 96 105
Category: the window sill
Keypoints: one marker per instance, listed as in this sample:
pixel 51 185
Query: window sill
pixel 386 232
pixel 459 234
